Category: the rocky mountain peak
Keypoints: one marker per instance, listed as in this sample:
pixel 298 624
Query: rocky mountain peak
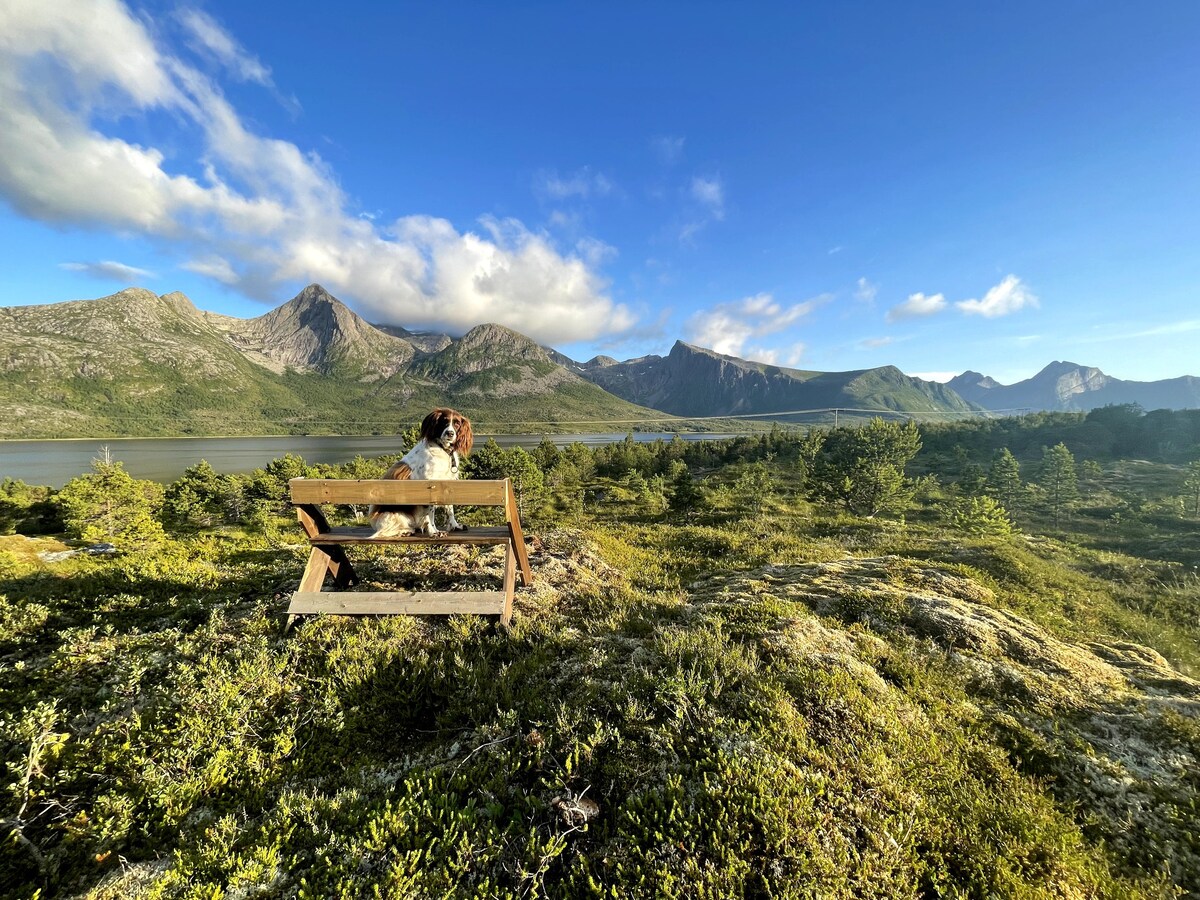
pixel 974 379
pixel 1057 369
pixel 181 303
pixel 682 348
pixel 504 341
pixel 314 304
pixel 314 331
pixel 600 362
pixel 1065 385
pixel 137 309
pixel 1068 379
pixel 132 295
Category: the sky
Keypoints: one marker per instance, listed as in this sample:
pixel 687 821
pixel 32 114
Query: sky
pixel 826 186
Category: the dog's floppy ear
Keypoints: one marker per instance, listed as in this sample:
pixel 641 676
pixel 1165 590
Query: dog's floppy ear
pixel 430 429
pixel 466 437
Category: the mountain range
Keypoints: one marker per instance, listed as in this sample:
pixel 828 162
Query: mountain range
pixel 1072 387
pixel 692 381
pixel 137 363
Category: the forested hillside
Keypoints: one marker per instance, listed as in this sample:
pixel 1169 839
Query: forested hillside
pixel 952 661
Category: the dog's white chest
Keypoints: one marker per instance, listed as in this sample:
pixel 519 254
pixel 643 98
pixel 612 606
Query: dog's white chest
pixel 431 462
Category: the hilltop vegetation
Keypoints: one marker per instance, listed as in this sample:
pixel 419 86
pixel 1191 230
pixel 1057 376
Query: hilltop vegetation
pixel 850 663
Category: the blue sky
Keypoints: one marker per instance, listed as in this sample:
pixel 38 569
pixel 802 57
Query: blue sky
pixel 936 186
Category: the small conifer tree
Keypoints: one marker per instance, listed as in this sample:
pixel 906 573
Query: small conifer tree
pixel 981 515
pixel 110 505
pixel 1004 479
pixel 1059 480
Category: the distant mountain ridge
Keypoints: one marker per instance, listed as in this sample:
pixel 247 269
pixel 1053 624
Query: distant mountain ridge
pixel 136 363
pixel 1068 386
pixel 693 381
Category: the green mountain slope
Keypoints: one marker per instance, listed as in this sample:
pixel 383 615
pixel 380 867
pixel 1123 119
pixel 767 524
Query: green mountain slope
pixel 131 363
pixel 136 364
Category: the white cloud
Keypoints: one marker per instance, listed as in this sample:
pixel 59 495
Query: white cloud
pixel 595 252
pixel 707 196
pixel 726 327
pixel 719 330
pixel 1009 296
pixel 709 192
pixel 762 355
pixel 264 215
pixel 668 148
pixel 565 220
pixel 110 270
pixel 215 267
pixel 789 357
pixel 208 36
pixel 866 291
pixel 917 305
pixel 872 343
pixel 582 184
pixel 99 43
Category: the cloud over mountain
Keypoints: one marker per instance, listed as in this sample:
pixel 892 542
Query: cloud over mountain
pixel 727 327
pixel 254 212
pixel 1009 296
pixel 917 305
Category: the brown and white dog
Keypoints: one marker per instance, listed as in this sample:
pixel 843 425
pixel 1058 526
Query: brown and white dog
pixel 446 437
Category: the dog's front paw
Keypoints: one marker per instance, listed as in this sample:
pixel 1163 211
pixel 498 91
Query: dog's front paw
pixel 455 526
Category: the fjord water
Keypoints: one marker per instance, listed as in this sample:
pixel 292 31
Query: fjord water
pixel 54 463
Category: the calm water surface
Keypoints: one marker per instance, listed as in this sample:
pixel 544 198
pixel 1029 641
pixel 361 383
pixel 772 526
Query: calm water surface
pixel 55 463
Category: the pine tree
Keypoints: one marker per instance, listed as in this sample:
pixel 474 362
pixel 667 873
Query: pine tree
pixel 197 498
pixel 685 493
pixel 109 505
pixel 863 468
pixel 486 462
pixel 527 481
pixel 752 490
pixel 546 454
pixel 1058 479
pixel 981 515
pixel 1004 480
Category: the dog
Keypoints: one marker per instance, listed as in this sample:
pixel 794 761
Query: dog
pixel 446 437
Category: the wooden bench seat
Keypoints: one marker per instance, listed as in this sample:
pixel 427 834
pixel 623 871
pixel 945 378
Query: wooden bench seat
pixel 327 556
pixel 357 534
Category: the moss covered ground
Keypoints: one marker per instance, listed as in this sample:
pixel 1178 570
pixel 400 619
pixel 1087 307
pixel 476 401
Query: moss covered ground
pixel 773 701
